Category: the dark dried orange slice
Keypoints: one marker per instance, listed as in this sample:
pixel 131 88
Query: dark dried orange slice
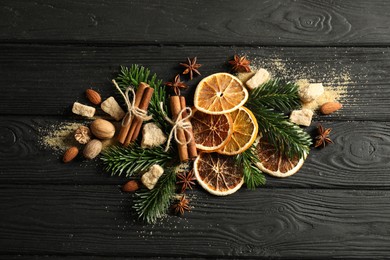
pixel 211 132
pixel 218 174
pixel 273 163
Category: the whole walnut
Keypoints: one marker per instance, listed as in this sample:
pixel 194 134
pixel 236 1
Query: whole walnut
pixel 82 135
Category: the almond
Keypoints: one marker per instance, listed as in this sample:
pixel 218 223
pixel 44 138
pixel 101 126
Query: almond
pixel 70 154
pixel 130 186
pixel 92 149
pixel 93 96
pixel 330 107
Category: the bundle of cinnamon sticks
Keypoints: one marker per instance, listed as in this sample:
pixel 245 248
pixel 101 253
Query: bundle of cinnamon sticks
pixel 131 129
pixel 186 147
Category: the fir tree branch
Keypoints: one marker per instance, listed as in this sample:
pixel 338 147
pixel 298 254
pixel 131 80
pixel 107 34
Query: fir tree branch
pixel 253 177
pixel 287 137
pixel 137 74
pixel 267 102
pixel 277 95
pixel 153 204
pixel 133 159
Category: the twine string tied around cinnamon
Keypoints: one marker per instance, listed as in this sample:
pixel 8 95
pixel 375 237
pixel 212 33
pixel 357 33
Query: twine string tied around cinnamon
pixel 131 108
pixel 180 123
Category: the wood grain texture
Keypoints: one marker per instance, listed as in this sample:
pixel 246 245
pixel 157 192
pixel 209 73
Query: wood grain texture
pixel 359 158
pixel 83 257
pixel 253 22
pixel 26 157
pixel 96 220
pixel 46 80
pixel 51 51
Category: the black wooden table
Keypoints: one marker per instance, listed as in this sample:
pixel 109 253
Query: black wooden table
pixel 338 205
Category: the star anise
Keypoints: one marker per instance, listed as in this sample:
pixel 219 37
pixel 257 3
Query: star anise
pixel 240 64
pixel 191 67
pixel 176 85
pixel 323 136
pixel 183 204
pixel 186 180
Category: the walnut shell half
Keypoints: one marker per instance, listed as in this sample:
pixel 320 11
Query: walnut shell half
pixel 82 134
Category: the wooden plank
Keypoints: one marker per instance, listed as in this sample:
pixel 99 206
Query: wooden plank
pixel 97 220
pixel 82 257
pixel 46 80
pixel 254 22
pixel 25 156
pixel 359 158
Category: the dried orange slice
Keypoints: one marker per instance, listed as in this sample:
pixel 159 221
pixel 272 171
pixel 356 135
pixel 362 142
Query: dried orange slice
pixel 218 174
pixel 273 163
pixel 220 93
pixel 211 132
pixel 244 134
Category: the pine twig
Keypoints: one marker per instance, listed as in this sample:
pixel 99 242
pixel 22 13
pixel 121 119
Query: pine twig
pixel 253 177
pixel 277 95
pixel 137 74
pixel 267 102
pixel 151 205
pixel 287 137
pixel 133 159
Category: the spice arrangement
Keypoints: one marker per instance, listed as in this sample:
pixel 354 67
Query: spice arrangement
pixel 236 131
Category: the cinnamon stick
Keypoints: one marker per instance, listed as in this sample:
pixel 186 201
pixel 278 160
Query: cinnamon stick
pixel 137 124
pixel 175 109
pixel 124 129
pixel 138 96
pixel 191 146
